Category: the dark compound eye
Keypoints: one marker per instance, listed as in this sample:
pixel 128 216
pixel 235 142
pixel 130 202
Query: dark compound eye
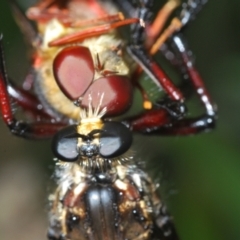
pixel 115 140
pixel 64 144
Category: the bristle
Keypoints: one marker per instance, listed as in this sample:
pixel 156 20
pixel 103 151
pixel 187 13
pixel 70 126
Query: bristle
pixel 92 112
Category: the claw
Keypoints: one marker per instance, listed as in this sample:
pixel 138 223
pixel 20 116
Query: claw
pixel 176 109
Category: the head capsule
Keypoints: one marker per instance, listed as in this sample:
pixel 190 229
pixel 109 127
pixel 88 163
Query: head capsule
pixel 92 142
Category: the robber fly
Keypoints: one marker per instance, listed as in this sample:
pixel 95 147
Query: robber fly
pixel 84 74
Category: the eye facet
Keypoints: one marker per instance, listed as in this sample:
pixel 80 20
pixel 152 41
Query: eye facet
pixel 115 140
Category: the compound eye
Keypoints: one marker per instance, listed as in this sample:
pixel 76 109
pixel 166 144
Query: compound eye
pixel 64 144
pixel 73 70
pixel 115 140
pixel 117 94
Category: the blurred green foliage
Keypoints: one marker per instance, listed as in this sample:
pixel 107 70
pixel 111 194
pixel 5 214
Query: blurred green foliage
pixel 200 174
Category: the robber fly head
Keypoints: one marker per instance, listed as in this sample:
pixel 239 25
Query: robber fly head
pixel 91 139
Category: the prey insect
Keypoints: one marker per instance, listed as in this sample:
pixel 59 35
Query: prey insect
pixel 84 74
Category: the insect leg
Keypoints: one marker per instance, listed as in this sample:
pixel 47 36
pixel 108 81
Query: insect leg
pixel 207 120
pixel 165 222
pixel 167 116
pixel 23 129
pixel 153 118
pixel 188 13
pixel 156 27
pixel 91 32
pixel 28 102
pixel 140 55
pixel 194 76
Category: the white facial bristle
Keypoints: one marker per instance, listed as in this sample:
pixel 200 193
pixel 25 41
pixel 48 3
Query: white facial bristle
pixel 92 112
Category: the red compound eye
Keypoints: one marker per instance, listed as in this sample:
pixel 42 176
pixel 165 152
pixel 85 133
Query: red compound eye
pixel 116 91
pixel 73 70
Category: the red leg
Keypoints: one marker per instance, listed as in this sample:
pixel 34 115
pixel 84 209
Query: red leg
pixel 175 26
pixel 155 72
pixel 28 102
pixel 189 12
pixel 193 74
pixel 97 21
pixel 167 118
pixel 160 122
pixel 35 130
pixel 91 32
pixel 155 28
pixel 140 54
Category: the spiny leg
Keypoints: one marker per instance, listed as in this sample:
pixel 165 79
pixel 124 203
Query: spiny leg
pixel 167 116
pixel 194 76
pixel 160 120
pixel 188 12
pixel 139 53
pixel 208 119
pixel 141 56
pixel 140 41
